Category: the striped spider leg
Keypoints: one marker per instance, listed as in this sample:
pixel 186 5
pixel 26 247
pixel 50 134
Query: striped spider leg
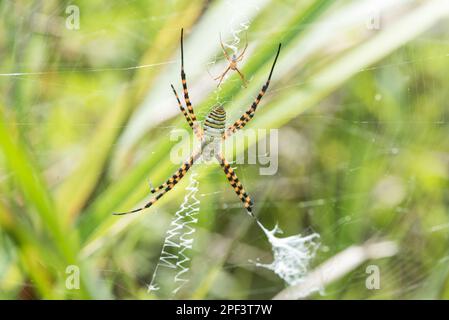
pixel 249 114
pixel 233 60
pixel 169 184
pixel 196 127
pixel 235 183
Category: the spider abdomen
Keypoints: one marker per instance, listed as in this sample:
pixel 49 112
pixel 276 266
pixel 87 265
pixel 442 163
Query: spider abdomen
pixel 214 127
pixel 214 124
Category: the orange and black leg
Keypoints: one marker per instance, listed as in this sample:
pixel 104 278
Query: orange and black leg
pixel 169 184
pixel 249 114
pixel 192 115
pixel 236 184
pixel 183 110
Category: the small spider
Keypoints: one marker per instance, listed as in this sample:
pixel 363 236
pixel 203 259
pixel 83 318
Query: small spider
pixel 232 63
pixel 212 134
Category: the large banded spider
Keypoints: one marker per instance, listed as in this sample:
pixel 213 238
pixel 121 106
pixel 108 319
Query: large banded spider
pixel 211 135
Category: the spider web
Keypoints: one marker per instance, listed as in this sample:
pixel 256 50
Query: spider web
pixel 291 255
pixel 401 277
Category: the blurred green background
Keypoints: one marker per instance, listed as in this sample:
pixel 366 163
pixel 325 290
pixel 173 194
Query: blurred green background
pixel 359 96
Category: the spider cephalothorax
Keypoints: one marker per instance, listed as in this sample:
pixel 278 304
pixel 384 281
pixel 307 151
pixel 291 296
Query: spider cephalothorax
pixel 211 135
